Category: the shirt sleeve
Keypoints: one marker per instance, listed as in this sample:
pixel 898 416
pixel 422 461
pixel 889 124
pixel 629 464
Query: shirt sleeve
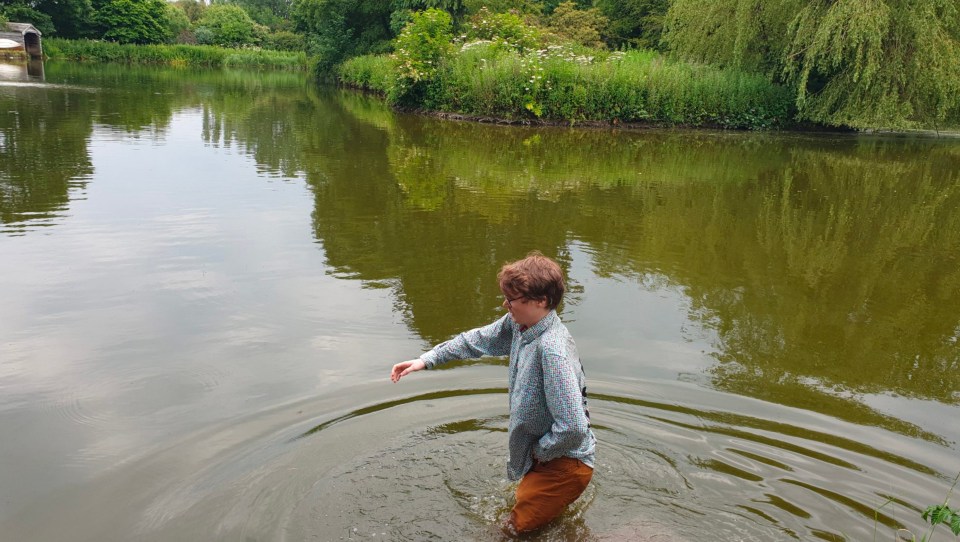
pixel 490 340
pixel 561 386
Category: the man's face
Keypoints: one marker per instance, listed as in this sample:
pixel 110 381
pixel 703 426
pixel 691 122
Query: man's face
pixel 523 310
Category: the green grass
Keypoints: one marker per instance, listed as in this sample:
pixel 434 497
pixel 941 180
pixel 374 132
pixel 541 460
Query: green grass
pixel 369 72
pixel 172 55
pixel 562 84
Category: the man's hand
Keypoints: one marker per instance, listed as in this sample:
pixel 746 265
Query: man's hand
pixel 406 367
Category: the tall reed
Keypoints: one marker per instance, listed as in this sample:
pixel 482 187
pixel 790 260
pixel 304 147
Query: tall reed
pixel 172 55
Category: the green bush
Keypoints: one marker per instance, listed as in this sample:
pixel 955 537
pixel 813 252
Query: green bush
pixel 204 35
pixel 420 51
pixel 284 40
pixel 230 25
pixel 505 30
pixel 501 72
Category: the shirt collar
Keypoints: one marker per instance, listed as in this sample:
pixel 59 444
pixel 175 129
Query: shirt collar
pixel 537 329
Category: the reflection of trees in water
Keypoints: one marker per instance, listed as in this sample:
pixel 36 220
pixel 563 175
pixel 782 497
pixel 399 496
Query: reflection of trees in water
pixel 833 264
pixel 854 275
pixel 820 262
pixel 443 260
pixel 268 117
pixel 43 151
pixel 133 99
pixel 45 130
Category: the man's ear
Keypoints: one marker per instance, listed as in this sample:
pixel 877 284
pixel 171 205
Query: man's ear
pixel 542 303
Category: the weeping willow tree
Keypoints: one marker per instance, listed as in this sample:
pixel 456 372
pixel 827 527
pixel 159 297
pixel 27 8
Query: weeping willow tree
pixel 856 63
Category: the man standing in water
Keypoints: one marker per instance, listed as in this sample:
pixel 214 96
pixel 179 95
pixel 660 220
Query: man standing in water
pixel 551 444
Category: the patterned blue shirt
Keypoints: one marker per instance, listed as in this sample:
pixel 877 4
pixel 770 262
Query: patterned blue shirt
pixel 548 405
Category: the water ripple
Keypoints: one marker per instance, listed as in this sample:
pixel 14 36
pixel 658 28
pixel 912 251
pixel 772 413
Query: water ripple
pixel 431 465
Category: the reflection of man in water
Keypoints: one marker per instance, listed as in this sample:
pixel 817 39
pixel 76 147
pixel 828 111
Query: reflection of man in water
pixel 551 444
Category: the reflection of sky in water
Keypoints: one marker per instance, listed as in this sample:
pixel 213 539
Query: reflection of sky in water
pixel 183 289
pixel 936 417
pixel 636 328
pixel 178 292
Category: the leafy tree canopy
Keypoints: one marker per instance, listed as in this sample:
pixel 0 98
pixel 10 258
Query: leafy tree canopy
pixel 230 25
pixel 71 18
pixel 177 22
pixel 22 13
pixel 456 8
pixel 633 23
pixel 272 13
pixel 580 26
pixel 338 29
pixel 857 63
pixel 534 7
pixel 132 21
pixel 192 8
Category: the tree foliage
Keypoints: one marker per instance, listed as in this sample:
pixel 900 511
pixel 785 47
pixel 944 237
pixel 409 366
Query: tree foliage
pixel 132 21
pixel 857 63
pixel 872 63
pixel 633 23
pixel 272 13
pixel 456 8
pixel 22 13
pixel 583 26
pixel 229 25
pixel 506 30
pixel 178 22
pixel 338 29
pixel 71 18
pixel 193 8
pixel 533 7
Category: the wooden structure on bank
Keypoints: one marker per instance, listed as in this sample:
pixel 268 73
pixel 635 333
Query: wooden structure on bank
pixel 21 37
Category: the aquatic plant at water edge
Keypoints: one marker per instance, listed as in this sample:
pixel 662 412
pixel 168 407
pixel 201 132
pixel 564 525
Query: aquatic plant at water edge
pixel 943 514
pixel 251 58
pixel 370 72
pixel 173 55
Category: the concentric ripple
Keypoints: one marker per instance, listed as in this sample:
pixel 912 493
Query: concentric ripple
pixel 430 465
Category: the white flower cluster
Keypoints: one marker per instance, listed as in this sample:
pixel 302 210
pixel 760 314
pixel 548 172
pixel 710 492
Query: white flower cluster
pixel 563 52
pixel 616 56
pixel 473 44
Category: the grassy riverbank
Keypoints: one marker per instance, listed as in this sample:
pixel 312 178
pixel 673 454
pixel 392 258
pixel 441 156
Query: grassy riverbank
pixel 559 84
pixel 500 67
pixel 173 55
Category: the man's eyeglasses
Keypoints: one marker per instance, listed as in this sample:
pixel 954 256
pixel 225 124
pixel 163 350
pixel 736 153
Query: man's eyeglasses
pixel 510 301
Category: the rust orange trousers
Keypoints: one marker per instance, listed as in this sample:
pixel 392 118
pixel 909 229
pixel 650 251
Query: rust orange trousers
pixel 546 490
